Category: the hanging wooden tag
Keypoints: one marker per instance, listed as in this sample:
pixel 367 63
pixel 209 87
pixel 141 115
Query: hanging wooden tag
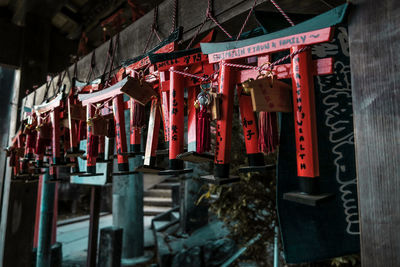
pixel 215 106
pixel 268 94
pixel 139 90
pixel 98 126
pixel 44 130
pixel 77 112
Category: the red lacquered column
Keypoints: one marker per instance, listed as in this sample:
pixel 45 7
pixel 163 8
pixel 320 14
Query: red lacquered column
pixel 305 121
pixel 250 131
pixel 120 135
pixel 224 125
pixel 134 131
pixel 92 145
pixel 176 116
pixel 165 114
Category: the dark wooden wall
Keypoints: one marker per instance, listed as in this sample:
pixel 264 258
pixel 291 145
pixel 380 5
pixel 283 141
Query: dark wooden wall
pixel 375 66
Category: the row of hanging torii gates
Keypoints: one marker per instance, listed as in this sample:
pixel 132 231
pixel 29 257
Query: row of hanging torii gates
pixel 95 112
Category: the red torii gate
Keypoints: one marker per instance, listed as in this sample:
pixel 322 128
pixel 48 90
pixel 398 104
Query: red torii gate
pixel 301 70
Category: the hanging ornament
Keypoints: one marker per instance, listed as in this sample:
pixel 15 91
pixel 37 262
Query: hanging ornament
pixel 139 119
pixel 268 128
pixel 203 120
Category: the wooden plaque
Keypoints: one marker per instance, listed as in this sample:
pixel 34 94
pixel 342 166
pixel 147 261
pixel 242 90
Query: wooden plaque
pixel 141 91
pixel 270 95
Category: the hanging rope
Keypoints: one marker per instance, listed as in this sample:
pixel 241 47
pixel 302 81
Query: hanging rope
pixel 282 12
pixel 209 15
pixel 174 16
pixel 153 30
pixel 269 66
pixel 48 84
pixel 92 65
pixel 201 78
pixel 246 20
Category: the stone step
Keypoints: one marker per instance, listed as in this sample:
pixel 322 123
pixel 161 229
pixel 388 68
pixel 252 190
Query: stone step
pixel 171 180
pixel 175 214
pixel 157 201
pixel 165 185
pixel 157 193
pixel 154 210
pixel 159 224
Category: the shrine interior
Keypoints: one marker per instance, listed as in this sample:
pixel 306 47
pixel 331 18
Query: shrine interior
pixel 199 133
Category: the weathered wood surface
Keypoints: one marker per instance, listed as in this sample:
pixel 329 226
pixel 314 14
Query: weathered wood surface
pixel 191 14
pixel 374 46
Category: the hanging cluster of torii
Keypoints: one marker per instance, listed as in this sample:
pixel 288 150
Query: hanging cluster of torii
pixel 211 75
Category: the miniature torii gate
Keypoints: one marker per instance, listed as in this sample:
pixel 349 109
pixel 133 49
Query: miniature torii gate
pixel 167 65
pixel 301 70
pixel 115 94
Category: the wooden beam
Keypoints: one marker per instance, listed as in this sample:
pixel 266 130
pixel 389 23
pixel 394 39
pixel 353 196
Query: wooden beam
pixel 374 58
pixel 10 45
pixel 132 40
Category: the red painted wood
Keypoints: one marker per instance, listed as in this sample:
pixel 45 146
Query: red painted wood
pixel 120 135
pixel 275 45
pixel 176 114
pixel 182 61
pixel 304 114
pixel 224 125
pixel 134 137
pixel 165 114
pixel 249 122
pixel 91 158
pixel 319 67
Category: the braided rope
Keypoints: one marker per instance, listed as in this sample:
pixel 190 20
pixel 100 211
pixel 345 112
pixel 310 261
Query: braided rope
pixel 209 15
pixel 270 66
pixel 246 20
pixel 203 79
pixel 282 12
pixel 174 16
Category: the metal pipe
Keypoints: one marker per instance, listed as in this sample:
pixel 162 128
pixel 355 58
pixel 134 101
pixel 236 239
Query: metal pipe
pixel 43 255
pixel 276 248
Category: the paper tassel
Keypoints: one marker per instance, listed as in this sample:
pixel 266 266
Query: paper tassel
pixel 268 128
pixel 203 131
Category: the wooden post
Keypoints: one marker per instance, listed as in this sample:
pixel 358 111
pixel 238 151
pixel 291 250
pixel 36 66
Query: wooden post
pixel 46 222
pixel 176 116
pixel 374 62
pixel 93 226
pixel 224 125
pixel 305 121
pixel 110 247
pixel 120 133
